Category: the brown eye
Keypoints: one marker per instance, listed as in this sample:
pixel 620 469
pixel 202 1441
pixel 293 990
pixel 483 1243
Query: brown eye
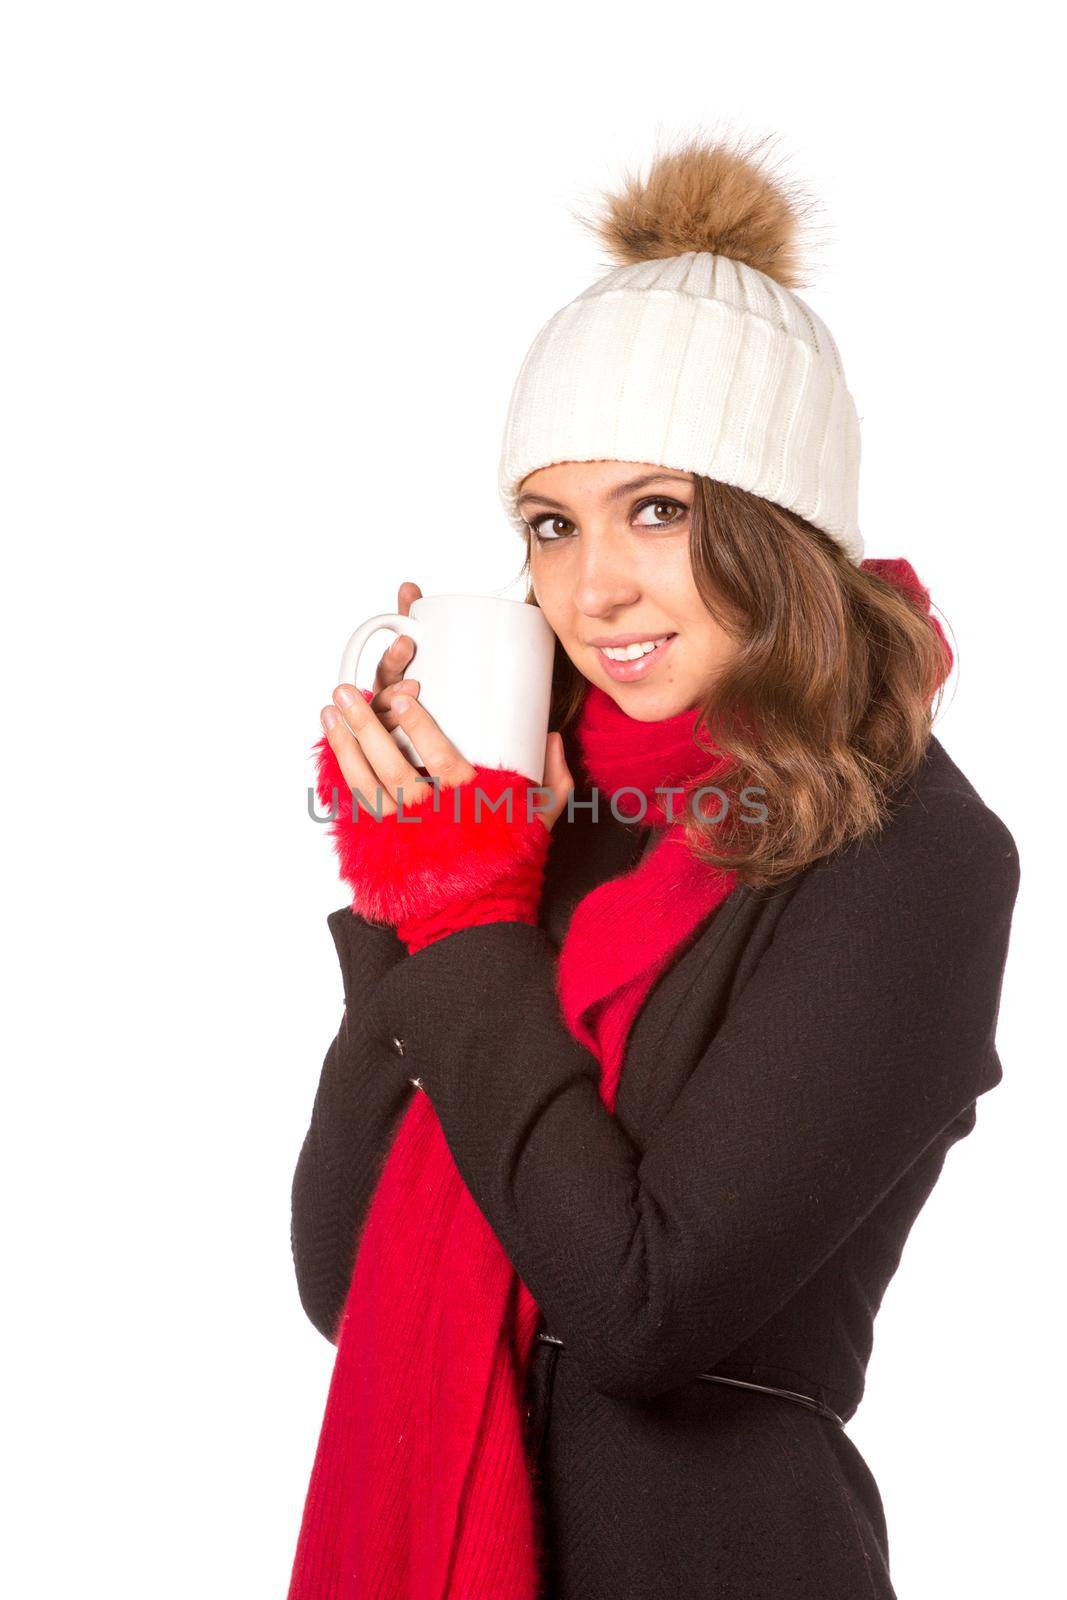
pixel 675 512
pixel 538 524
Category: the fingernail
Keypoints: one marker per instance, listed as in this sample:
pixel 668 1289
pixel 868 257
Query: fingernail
pixel 328 717
pixel 401 702
pixel 344 696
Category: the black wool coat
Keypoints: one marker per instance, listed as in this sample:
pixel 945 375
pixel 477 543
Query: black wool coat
pixel 790 1091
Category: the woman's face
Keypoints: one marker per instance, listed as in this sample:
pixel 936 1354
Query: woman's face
pixel 609 559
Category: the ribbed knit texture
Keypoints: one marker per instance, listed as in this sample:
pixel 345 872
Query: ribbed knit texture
pixel 699 363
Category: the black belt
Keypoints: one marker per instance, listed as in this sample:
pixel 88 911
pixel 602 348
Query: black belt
pixel 741 1383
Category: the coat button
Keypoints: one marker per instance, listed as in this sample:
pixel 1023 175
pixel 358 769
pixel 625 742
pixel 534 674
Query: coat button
pixel 397 1044
pixel 416 1081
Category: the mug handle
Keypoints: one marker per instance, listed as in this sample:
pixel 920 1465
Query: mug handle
pixel 354 648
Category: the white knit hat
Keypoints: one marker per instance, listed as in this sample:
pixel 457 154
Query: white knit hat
pixel 691 356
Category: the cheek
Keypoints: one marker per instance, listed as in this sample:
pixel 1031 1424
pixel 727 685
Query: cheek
pixel 710 646
pixel 550 592
pixel 707 642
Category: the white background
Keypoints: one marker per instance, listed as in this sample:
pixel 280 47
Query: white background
pixel 268 275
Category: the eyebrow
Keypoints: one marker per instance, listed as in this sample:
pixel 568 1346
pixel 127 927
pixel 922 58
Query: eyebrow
pixel 617 493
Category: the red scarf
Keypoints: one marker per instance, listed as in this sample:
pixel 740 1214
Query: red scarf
pixel 421 1487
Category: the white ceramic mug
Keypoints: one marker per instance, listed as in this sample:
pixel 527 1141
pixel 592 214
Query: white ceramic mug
pixel 484 667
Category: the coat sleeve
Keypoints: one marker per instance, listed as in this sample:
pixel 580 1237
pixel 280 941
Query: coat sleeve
pixel 357 1110
pixel 867 1026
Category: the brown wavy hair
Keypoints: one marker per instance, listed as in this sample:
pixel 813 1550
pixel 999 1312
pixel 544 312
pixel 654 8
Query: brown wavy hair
pixel 828 704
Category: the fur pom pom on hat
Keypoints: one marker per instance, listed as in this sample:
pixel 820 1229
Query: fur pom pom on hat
pixel 695 352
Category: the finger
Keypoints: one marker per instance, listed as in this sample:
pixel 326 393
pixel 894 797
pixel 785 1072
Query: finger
pixel 442 758
pixel 383 702
pixel 394 661
pixel 391 767
pixel 557 778
pixel 355 768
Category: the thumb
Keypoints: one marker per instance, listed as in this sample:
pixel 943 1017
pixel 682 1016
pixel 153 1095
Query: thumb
pixel 557 777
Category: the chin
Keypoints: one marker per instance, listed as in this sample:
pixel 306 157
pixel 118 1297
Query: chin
pixel 648 705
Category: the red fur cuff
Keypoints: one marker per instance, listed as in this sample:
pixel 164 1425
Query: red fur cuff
pixel 460 850
pixel 513 899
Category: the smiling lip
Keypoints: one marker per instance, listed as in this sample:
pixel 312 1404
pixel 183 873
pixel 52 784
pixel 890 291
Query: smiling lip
pixel 629 671
pixel 619 641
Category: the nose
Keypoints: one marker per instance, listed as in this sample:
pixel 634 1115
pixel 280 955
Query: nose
pixel 602 582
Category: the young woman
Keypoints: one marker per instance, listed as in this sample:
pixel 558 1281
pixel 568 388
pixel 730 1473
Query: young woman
pixel 640 1088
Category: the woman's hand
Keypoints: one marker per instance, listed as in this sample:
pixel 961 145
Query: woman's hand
pixel 467 863
pixel 370 759
pixel 359 733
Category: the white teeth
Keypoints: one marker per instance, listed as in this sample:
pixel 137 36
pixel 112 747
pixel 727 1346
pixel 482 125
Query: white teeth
pixel 631 652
